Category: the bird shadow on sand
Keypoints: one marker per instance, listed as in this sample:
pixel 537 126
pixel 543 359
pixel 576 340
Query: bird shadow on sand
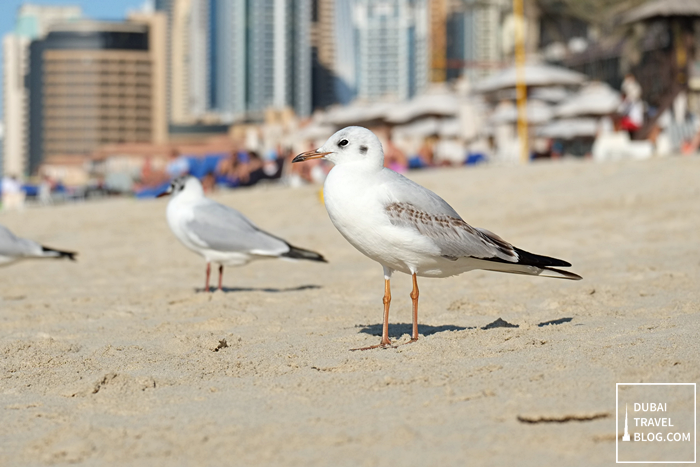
pixel 399 329
pixel 555 322
pixel 259 289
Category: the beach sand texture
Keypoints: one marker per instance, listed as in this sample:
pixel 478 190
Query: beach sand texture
pixel 119 360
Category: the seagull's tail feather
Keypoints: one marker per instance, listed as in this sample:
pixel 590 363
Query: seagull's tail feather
pixel 53 253
pixel 532 265
pixel 300 253
pixel 559 274
pixel 527 270
pixel 544 264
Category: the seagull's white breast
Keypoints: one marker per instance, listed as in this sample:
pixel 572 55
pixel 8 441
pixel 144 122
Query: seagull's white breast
pixel 356 201
pixel 179 214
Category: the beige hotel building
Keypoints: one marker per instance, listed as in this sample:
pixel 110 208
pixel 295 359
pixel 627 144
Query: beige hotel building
pixel 94 83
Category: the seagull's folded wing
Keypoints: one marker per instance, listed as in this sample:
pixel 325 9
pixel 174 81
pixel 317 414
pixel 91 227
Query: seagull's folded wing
pixel 413 206
pixel 454 237
pixel 218 227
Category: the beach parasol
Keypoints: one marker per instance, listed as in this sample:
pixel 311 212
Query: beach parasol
pixel 534 75
pixel 569 128
pixel 594 99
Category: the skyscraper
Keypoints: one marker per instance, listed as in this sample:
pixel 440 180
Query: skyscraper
pixel 237 58
pixel 229 64
pixel 91 83
pixel 344 65
pixel 323 55
pixel 263 57
pixel 188 42
pixel 392 48
pixel 32 23
pixel 157 50
pixel 15 104
pixel 198 92
pixel 474 46
pixel 438 40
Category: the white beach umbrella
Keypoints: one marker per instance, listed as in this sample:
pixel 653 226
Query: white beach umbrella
pixel 507 112
pixel 430 104
pixel 535 75
pixel 663 8
pixel 420 128
pixel 550 93
pixel 594 99
pixel 358 114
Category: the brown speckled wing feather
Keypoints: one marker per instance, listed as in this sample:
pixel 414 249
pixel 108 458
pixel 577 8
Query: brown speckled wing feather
pixel 455 238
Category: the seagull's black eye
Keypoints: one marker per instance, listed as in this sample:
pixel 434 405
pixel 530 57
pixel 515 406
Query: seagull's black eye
pixel 343 143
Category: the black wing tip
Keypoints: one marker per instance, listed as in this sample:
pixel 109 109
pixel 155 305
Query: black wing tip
pixel 300 253
pixel 531 259
pixel 61 253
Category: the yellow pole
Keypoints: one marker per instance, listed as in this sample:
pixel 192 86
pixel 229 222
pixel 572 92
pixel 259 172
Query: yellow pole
pixel 520 88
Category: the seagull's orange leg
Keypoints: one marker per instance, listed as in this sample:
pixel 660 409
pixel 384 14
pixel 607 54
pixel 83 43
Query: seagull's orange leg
pixel 385 328
pixel 414 299
pixel 387 301
pixel 221 274
pixel 206 284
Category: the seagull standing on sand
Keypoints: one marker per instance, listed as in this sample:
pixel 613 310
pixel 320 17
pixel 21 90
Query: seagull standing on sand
pixel 219 233
pixel 13 248
pixel 406 227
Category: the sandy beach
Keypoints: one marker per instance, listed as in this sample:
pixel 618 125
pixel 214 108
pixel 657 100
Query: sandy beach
pixel 120 359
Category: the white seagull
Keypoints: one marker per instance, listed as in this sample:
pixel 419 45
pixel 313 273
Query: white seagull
pixel 219 233
pixel 406 227
pixel 13 249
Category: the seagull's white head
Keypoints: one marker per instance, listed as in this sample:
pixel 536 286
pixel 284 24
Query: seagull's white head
pixel 351 145
pixel 185 185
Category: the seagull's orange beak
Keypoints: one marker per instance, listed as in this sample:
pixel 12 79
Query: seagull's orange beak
pixel 305 156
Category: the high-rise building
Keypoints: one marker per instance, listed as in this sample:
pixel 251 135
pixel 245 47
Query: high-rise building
pixel 263 57
pixel 474 44
pixel 323 54
pixel 344 65
pixel 91 83
pixel 188 42
pixel 392 52
pixel 198 58
pixel 236 58
pixel 229 65
pixel 438 40
pixel 15 104
pixel 32 23
pixel 157 49
pixel 166 7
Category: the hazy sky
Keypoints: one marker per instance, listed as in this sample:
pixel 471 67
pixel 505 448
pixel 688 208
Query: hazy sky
pixel 93 9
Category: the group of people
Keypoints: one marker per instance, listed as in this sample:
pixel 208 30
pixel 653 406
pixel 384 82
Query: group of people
pixel 238 168
pixel 246 168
